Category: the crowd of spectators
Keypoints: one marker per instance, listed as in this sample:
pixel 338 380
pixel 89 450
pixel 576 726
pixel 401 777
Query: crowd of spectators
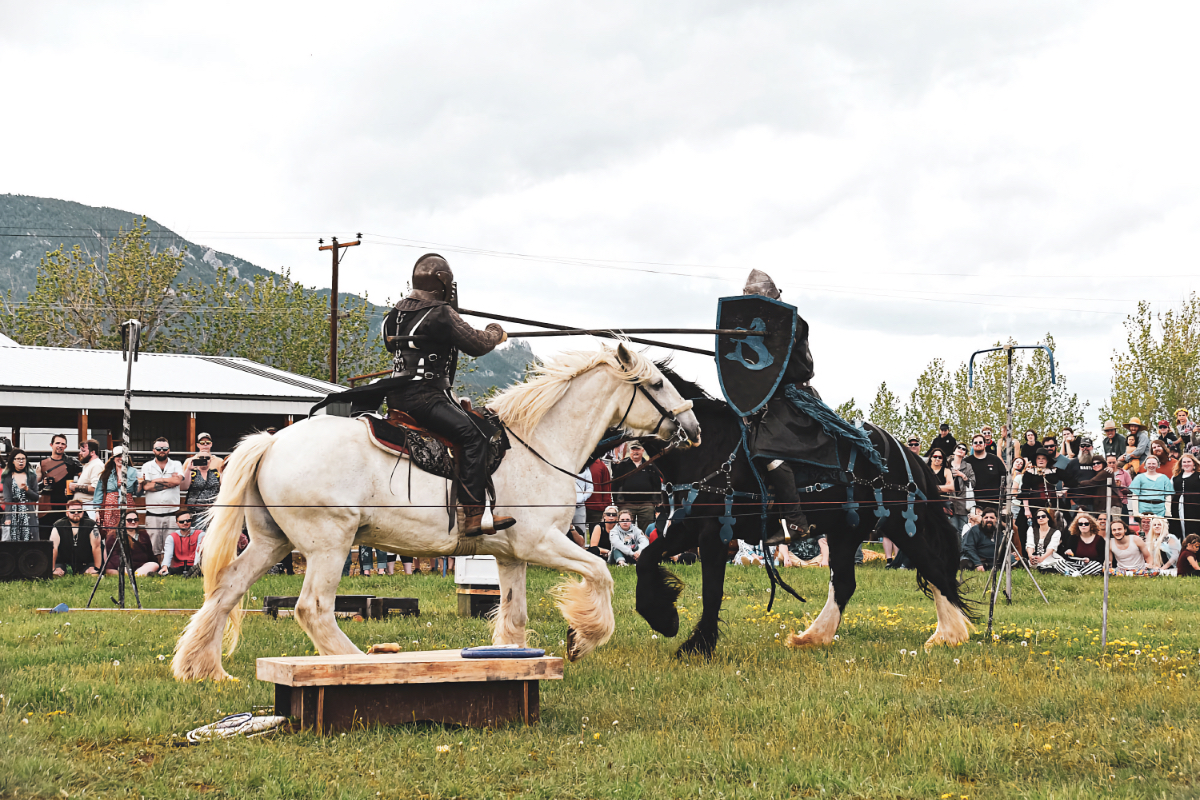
pixel 1063 489
pixel 74 502
pixel 1060 492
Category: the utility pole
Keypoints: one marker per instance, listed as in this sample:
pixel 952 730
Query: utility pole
pixel 333 302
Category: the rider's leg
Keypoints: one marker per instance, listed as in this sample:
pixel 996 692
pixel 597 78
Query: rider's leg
pixel 446 418
pixel 787 503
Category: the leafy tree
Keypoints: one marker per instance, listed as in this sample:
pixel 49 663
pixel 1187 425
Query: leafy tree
pixel 1037 403
pixel 849 411
pixel 928 404
pixel 1157 372
pixel 885 411
pixel 278 322
pixel 944 396
pixel 81 298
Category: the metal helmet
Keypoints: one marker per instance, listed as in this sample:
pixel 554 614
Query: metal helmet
pixel 432 278
pixel 760 282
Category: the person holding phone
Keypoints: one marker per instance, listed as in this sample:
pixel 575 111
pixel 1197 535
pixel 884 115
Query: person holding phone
pixel 202 476
pixel 53 475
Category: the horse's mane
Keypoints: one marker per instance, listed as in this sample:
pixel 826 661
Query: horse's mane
pixel 690 390
pixel 523 406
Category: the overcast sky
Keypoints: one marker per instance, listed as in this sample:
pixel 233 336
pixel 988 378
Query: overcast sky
pixel 922 178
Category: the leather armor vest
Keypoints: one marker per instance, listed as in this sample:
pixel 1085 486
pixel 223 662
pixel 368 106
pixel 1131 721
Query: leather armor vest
pixel 428 358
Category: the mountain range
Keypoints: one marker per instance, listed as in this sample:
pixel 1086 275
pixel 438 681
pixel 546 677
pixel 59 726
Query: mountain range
pixel 32 226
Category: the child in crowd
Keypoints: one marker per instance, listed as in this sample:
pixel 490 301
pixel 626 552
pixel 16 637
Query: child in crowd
pixel 1189 557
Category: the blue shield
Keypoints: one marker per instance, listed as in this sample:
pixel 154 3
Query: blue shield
pixel 751 367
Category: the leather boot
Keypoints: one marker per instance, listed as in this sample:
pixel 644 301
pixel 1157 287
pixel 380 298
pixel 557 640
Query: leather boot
pixel 787 501
pixel 474 522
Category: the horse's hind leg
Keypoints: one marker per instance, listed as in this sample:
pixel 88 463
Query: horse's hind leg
pixel 842 583
pixel 939 567
pixel 198 654
pixel 314 607
pixel 512 615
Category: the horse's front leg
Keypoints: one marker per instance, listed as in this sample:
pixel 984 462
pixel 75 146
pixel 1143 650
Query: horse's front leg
pixel 842 546
pixel 508 625
pixel 657 587
pixel 714 554
pixel 586 605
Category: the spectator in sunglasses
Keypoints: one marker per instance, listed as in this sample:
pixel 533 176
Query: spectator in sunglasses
pixel 137 547
pixel 182 546
pixel 160 480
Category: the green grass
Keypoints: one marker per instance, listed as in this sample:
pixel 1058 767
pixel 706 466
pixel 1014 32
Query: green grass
pixel 863 718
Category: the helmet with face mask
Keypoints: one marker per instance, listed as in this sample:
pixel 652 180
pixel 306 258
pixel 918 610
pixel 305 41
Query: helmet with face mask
pixel 432 278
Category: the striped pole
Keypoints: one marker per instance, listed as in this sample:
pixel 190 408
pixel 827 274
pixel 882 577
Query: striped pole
pixel 131 334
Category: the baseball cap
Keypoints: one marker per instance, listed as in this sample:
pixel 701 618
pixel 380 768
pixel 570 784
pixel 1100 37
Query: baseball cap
pixel 637 444
pixel 200 436
pixel 1085 442
pixel 1162 423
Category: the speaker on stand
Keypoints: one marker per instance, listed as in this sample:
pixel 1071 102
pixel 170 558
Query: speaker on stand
pixel 23 561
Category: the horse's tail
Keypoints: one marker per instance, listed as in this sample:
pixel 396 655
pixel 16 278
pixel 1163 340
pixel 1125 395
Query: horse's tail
pixel 228 519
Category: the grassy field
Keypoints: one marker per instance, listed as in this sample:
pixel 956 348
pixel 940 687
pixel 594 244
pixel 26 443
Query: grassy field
pixel 89 707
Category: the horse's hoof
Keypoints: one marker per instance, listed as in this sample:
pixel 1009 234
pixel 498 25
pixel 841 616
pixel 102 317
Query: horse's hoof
pixel 571 645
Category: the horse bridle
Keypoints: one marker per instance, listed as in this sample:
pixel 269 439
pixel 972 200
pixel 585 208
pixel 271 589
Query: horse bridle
pixel 664 414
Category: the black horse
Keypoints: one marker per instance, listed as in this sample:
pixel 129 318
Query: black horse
pixel 933 549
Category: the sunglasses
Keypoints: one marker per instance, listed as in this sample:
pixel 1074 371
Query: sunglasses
pixel 74 510
pixel 1042 516
pixel 161 449
pixel 977 441
pixel 131 519
pixel 1085 524
pixel 610 515
pixel 184 521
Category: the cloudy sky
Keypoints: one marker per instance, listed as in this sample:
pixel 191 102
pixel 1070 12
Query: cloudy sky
pixel 922 178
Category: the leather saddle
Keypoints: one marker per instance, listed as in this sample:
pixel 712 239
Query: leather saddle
pixel 401 435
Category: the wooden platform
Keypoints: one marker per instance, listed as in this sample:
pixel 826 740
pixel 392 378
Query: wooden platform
pixel 334 693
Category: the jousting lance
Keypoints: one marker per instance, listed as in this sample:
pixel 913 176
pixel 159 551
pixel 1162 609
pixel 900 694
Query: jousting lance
pixel 611 333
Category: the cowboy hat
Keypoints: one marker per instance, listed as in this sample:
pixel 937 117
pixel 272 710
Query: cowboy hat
pixel 1134 421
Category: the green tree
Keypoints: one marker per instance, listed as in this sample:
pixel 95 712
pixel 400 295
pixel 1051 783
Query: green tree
pixel 944 396
pixel 885 411
pixel 1157 371
pixel 278 322
pixel 849 411
pixel 82 298
pixel 928 404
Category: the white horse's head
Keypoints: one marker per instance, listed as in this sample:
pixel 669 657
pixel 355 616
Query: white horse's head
pixel 656 407
pixel 647 404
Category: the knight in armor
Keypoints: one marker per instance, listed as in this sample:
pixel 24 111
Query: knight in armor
pixel 781 428
pixel 423 374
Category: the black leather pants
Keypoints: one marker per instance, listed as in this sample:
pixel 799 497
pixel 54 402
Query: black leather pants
pixel 433 409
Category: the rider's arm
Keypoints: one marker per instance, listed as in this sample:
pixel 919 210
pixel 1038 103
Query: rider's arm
pixel 469 340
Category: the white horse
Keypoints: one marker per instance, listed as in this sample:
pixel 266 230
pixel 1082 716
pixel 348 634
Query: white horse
pixel 321 487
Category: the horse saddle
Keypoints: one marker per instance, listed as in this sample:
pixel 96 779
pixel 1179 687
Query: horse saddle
pixel 401 435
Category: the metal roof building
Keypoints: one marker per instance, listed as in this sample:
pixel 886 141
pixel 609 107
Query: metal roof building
pixel 173 395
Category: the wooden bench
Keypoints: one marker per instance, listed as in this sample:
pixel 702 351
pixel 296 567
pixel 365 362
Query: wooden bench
pixel 334 693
